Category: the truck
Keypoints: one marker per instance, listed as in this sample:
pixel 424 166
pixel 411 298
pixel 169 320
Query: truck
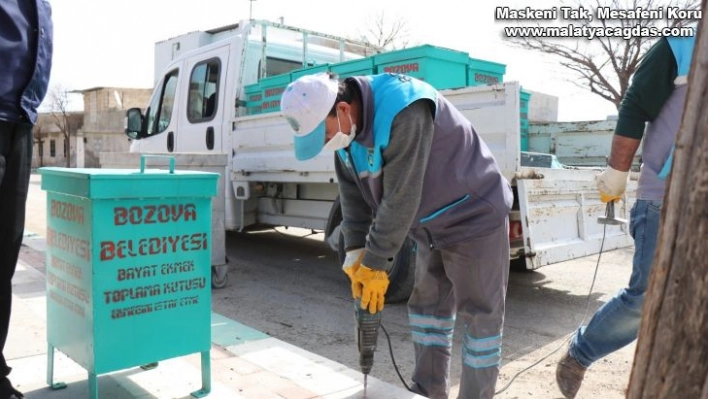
pixel 215 108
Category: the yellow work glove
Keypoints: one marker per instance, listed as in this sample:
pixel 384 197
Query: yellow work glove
pixel 611 184
pixel 352 261
pixel 374 285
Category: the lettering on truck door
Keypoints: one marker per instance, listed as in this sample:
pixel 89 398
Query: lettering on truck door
pixel 201 116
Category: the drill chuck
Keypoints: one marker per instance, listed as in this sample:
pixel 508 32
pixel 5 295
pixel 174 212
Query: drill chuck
pixel 367 332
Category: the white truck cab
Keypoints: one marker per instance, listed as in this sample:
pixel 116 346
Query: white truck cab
pixel 199 92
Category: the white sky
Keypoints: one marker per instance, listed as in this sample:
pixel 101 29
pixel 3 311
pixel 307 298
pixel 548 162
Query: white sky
pixel 111 43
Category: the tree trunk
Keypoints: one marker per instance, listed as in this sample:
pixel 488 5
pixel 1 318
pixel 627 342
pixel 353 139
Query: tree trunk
pixel 67 147
pixel 672 351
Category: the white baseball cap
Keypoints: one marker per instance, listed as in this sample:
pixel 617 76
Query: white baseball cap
pixel 305 104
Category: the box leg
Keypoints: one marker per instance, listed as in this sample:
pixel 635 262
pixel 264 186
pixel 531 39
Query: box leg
pixel 206 376
pixel 93 386
pixel 50 369
pixel 149 366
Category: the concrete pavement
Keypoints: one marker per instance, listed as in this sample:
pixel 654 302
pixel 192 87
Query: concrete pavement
pixel 245 363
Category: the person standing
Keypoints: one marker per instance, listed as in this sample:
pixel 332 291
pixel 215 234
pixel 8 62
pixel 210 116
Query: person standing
pixel 409 163
pixel 26 45
pixel 656 95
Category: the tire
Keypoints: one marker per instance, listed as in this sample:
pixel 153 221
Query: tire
pixel 219 276
pixel 519 265
pixel 402 275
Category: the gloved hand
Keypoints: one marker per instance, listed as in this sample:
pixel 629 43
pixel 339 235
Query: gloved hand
pixel 352 261
pixel 374 285
pixel 611 184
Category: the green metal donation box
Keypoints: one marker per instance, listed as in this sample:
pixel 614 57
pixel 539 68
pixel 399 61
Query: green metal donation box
pixel 128 268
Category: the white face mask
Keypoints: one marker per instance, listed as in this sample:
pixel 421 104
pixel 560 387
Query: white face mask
pixel 341 140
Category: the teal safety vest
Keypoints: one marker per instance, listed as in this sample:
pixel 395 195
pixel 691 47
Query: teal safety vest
pixel 393 93
pixel 682 48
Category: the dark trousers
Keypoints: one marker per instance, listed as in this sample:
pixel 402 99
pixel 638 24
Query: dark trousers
pixel 15 165
pixel 466 280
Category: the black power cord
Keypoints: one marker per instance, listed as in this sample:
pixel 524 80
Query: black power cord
pixel 565 339
pixel 568 336
pixel 393 360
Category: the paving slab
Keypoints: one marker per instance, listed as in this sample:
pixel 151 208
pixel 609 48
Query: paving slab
pixel 245 363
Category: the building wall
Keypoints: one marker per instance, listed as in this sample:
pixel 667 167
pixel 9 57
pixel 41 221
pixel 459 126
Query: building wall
pixel 47 134
pixel 542 107
pixel 104 108
pixel 105 134
pixel 100 128
pixel 96 143
pixel 42 154
pixel 104 99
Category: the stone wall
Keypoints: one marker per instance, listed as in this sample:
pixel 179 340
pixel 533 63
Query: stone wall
pixel 97 142
pixel 47 136
pixel 104 107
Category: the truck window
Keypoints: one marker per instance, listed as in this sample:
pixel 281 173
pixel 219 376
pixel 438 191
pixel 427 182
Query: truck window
pixel 160 109
pixel 203 88
pixel 277 66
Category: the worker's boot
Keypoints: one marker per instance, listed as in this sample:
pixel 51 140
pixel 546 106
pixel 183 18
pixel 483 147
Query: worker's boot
pixel 569 376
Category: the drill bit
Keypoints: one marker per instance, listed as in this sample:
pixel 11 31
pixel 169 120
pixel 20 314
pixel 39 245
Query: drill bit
pixel 367 328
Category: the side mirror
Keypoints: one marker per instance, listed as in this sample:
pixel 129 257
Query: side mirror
pixel 134 124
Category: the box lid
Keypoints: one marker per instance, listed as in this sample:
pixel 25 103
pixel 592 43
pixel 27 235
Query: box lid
pixel 524 95
pixel 425 50
pixel 128 183
pixel 357 65
pixel 311 70
pixel 485 65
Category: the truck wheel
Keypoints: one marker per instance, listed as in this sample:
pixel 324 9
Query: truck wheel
pixel 219 276
pixel 402 274
pixel 519 265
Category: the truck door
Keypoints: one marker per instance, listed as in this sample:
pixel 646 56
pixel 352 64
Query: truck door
pixel 161 121
pixel 202 116
pixel 559 209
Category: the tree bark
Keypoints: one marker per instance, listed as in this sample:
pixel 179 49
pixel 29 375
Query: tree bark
pixel 671 360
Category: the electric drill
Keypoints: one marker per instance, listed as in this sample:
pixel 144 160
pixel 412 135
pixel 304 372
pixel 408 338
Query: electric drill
pixel 367 332
pixel 609 217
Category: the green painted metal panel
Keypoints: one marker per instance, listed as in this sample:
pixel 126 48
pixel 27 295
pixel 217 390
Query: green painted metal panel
pixel 358 67
pixel 524 98
pixel 483 72
pixel 441 67
pixel 273 88
pixel 69 280
pixel 311 70
pixel 254 99
pixel 128 265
